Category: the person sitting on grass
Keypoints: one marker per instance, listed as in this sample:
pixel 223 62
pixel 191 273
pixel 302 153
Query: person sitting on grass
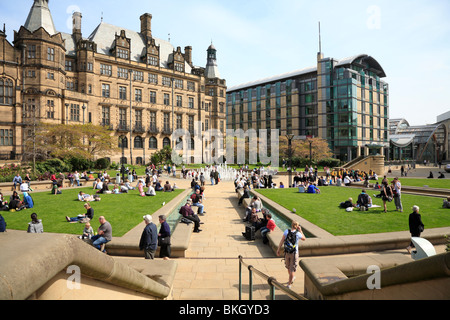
pixel 85 197
pixel 158 186
pixel 116 189
pixel 35 226
pixel 312 188
pixel 98 184
pixel 167 187
pixel 347 204
pixel 150 191
pixel 55 188
pixel 141 189
pixel 446 203
pixel 88 216
pixel 364 202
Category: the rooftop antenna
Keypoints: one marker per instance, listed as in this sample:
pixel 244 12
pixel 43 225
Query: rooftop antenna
pixel 102 17
pixel 320 40
pixel 169 37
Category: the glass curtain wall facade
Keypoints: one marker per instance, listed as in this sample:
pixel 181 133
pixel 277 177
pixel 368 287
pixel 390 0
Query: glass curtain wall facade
pixel 342 101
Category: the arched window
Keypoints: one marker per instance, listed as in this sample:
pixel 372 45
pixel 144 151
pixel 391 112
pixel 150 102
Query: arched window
pixel 139 160
pixel 138 143
pixel 166 142
pixel 123 160
pixel 124 140
pixel 153 143
pixel 6 91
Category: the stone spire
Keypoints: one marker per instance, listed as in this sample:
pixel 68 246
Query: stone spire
pixel 40 16
pixel 212 71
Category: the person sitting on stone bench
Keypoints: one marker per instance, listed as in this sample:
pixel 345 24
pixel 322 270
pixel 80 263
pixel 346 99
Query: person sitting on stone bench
pixel 254 204
pixel 246 195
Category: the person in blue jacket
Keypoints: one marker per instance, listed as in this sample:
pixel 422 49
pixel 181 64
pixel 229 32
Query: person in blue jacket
pixel 149 238
pixel 312 189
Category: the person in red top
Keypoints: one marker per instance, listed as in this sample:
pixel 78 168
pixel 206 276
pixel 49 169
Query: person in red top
pixel 268 228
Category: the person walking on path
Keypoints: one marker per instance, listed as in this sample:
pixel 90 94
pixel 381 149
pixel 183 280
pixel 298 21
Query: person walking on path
pixel 416 225
pixel 164 238
pixel 290 242
pixel 149 238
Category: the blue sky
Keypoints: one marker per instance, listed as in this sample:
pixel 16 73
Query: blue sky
pixel 259 38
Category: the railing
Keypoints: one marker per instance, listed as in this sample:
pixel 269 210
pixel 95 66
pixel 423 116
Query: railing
pixel 273 283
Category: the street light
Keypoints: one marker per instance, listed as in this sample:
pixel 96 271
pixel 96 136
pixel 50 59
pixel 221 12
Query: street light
pixel 123 158
pixel 310 152
pixel 67 113
pixel 84 108
pixel 130 71
pixel 290 137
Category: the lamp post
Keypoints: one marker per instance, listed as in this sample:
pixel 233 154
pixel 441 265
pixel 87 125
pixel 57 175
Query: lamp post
pixel 290 137
pixel 67 113
pixel 84 108
pixel 130 71
pixel 123 158
pixel 310 152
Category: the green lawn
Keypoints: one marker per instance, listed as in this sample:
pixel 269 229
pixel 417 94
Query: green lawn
pixel 123 211
pixel 432 183
pixel 323 210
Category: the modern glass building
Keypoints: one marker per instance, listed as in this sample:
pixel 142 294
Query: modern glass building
pixel 428 143
pixel 343 101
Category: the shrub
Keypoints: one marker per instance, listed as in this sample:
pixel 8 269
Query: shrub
pixel 329 162
pixel 102 163
pixel 54 166
pixel 80 164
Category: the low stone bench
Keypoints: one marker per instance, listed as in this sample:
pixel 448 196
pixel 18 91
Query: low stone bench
pixel 275 236
pixel 128 245
pixel 42 185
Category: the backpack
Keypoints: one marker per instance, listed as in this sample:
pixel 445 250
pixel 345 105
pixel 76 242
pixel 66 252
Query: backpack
pixel 290 243
pixel 2 224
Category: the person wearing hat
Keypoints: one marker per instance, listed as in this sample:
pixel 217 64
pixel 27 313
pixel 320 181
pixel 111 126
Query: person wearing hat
pixel 149 238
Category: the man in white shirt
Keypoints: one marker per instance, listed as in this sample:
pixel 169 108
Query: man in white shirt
pixel 76 176
pixel 24 187
pixel 347 181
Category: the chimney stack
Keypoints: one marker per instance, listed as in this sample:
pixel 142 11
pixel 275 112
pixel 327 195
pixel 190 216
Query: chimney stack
pixel 188 54
pixel 76 26
pixel 146 25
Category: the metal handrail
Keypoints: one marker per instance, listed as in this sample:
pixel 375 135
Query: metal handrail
pixel 273 283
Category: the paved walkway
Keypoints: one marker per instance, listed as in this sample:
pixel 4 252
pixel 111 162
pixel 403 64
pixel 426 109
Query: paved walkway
pixel 210 270
pixel 211 267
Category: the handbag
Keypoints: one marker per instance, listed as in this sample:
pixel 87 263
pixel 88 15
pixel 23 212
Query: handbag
pixel 163 241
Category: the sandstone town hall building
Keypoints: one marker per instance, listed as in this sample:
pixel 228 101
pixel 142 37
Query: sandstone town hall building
pixel 141 88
